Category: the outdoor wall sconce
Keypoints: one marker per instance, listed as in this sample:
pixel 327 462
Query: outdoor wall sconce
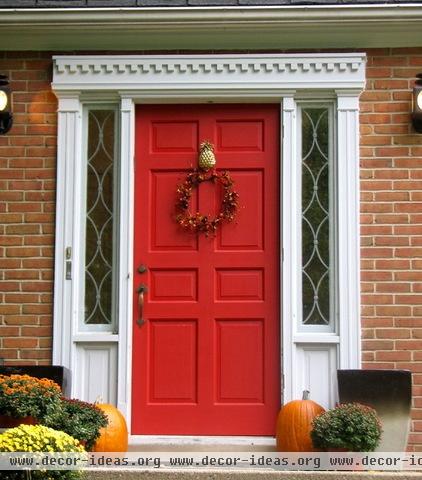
pixel 417 104
pixel 6 117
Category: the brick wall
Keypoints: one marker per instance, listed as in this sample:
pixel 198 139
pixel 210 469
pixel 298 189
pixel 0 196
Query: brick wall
pixel 391 221
pixel 391 172
pixel 27 194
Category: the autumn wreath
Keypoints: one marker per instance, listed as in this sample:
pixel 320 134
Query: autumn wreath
pixel 199 222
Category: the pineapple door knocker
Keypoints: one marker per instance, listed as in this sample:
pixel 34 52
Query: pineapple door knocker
pixel 199 222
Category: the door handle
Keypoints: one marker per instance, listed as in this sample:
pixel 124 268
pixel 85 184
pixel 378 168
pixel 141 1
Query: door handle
pixel 141 290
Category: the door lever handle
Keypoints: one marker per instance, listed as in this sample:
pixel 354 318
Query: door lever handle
pixel 141 290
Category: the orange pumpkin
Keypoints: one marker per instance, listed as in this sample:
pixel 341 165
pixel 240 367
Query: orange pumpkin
pixel 113 437
pixel 294 424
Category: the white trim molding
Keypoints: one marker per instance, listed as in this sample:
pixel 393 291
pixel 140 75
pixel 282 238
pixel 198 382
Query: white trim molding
pixel 212 28
pixel 284 79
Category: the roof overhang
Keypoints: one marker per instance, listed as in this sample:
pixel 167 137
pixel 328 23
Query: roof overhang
pixel 215 28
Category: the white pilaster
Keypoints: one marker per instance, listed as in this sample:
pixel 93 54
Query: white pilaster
pixel 290 234
pixel 125 276
pixel 348 228
pixel 67 221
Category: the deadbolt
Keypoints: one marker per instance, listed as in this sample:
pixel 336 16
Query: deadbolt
pixel 142 268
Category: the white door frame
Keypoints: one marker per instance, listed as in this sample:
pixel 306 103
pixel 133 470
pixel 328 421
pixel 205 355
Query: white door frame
pixel 285 79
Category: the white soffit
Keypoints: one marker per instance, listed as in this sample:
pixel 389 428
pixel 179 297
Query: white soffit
pixel 222 75
pixel 213 28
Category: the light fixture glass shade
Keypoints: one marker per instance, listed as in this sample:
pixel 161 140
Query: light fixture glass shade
pixel 4 100
pixel 417 104
pixel 6 117
pixel 419 99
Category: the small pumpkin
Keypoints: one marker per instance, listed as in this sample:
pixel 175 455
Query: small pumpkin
pixel 294 425
pixel 113 437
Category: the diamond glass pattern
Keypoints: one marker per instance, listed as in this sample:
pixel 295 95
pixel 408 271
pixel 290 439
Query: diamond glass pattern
pixel 99 217
pixel 315 217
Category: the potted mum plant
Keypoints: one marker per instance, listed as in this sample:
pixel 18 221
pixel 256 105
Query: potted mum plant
pixel 39 438
pixel 81 420
pixel 349 426
pixel 26 399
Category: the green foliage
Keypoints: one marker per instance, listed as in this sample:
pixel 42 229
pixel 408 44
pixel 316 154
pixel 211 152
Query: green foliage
pixel 79 419
pixel 23 395
pixel 351 426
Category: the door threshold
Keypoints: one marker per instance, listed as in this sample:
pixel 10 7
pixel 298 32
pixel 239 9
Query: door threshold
pixel 187 443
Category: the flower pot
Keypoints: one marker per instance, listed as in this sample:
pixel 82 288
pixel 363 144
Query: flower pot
pixel 390 393
pixel 9 422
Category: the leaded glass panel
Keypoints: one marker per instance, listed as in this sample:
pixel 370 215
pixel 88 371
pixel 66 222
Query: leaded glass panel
pixel 99 218
pixel 316 268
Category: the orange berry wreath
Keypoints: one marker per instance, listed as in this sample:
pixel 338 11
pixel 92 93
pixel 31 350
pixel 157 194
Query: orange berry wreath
pixel 199 222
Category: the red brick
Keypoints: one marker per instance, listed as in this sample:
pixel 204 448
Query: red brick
pixel 390 61
pixel 9 309
pixel 379 365
pixel 35 354
pixel 392 196
pixel 22 252
pixel 408 162
pixel 376 207
pixel 25 185
pixel 21 274
pixel 392 129
pixel 21 320
pixel 9 286
pixel 409 299
pixel 37 263
pixel 376 299
pixel 38 286
pixel 413 275
pixel 376 276
pixel 374 118
pixel 42 332
pixel 393 310
pixel 391 107
pixel 408 322
pixel 371 95
pixel 376 252
pixel 20 342
pixel 391 151
pixel 10 218
pixel 24 207
pixel 407 230
pixel 393 218
pixel 376 345
pixel 377 322
pixel 21 298
pixel 394 333
pixel 392 287
pixel 409 252
pixel 376 229
pixel 391 84
pixel 391 241
pixel 39 217
pixel 393 356
pixel 6 240
pixel 9 263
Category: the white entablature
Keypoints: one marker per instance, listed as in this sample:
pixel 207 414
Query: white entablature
pixel 263 73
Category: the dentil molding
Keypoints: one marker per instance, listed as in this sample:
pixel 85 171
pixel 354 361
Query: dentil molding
pixel 237 72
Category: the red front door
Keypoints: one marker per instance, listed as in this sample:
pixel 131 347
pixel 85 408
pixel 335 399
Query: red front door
pixel 207 359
